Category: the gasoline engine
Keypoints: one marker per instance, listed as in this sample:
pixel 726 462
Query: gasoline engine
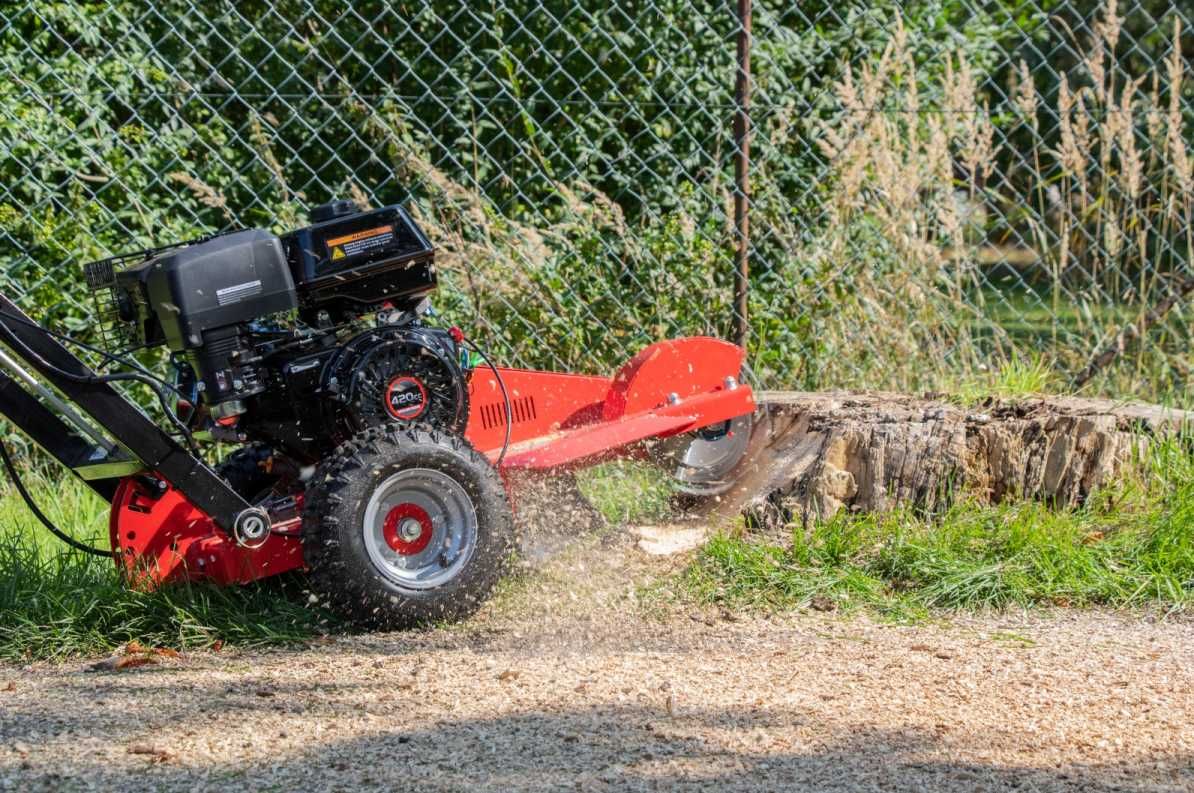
pixel 267 332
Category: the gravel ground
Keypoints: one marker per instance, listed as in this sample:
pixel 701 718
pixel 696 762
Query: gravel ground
pixel 568 682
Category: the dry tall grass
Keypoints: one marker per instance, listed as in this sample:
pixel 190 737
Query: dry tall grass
pixel 905 220
pixel 913 196
pixel 1115 222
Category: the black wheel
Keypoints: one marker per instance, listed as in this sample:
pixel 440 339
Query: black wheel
pixel 247 470
pixel 404 526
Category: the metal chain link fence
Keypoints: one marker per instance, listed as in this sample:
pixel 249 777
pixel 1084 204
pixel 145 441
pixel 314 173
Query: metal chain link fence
pixel 940 188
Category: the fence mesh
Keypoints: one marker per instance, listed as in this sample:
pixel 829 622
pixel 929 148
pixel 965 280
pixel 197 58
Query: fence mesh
pixel 940 188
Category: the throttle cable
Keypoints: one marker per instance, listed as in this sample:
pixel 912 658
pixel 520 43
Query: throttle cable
pixel 505 396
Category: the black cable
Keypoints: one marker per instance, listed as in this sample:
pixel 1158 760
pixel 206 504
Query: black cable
pixel 29 502
pixel 155 383
pixel 505 396
pixel 111 357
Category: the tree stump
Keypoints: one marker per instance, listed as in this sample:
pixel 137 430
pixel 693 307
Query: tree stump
pixel 818 453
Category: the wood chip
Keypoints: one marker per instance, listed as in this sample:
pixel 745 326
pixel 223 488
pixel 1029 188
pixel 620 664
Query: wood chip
pixel 133 661
pixel 822 603
pixel 154 753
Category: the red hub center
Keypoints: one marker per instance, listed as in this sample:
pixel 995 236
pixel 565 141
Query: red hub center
pixel 407 529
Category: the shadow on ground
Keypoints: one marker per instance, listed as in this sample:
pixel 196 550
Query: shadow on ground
pixel 610 748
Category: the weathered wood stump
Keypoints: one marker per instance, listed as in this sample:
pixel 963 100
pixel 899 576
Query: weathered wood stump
pixel 823 452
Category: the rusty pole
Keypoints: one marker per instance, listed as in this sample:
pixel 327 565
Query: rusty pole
pixel 742 175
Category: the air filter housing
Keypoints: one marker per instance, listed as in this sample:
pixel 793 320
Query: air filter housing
pixel 198 288
pixel 353 262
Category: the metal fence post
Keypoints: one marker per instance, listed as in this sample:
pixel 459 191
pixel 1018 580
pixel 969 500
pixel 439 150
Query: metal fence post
pixel 742 175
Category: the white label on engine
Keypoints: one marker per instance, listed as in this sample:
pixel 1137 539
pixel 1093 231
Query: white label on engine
pixel 233 294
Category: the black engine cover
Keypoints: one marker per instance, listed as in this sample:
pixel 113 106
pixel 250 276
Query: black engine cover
pixel 349 262
pixel 406 374
pixel 188 291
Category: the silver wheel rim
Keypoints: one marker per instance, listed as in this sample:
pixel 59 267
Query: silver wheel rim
pixel 420 528
pixel 705 465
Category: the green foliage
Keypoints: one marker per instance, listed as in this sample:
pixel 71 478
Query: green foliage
pixel 1130 546
pixel 132 124
pixel 571 159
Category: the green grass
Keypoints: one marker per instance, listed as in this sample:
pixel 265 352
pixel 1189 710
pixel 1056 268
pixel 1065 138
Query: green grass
pixel 1132 545
pixel 1026 314
pixel 1018 377
pixel 626 491
pixel 56 602
pixel 1155 368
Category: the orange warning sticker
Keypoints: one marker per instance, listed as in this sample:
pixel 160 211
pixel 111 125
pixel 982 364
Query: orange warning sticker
pixel 360 235
pixel 360 242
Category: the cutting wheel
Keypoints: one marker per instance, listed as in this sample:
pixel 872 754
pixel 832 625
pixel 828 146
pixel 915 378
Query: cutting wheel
pixel 707 461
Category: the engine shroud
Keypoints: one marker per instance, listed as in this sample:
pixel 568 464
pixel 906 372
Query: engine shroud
pixel 399 375
pixel 268 333
pixel 201 298
pixel 407 374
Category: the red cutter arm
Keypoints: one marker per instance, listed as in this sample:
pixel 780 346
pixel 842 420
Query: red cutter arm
pixel 566 420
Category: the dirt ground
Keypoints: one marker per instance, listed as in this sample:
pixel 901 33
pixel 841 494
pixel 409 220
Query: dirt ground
pixel 568 682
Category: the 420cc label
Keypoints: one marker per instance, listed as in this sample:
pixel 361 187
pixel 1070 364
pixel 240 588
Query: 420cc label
pixel 405 398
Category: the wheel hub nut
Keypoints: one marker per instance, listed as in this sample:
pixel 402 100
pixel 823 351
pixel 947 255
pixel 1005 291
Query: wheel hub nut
pixel 407 529
pixel 410 529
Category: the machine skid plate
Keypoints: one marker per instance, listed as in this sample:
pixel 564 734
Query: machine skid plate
pixel 555 420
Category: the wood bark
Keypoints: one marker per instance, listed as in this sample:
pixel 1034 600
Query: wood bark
pixel 818 453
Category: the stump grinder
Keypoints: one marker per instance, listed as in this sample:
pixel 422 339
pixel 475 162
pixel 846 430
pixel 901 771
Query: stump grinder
pixel 371 449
